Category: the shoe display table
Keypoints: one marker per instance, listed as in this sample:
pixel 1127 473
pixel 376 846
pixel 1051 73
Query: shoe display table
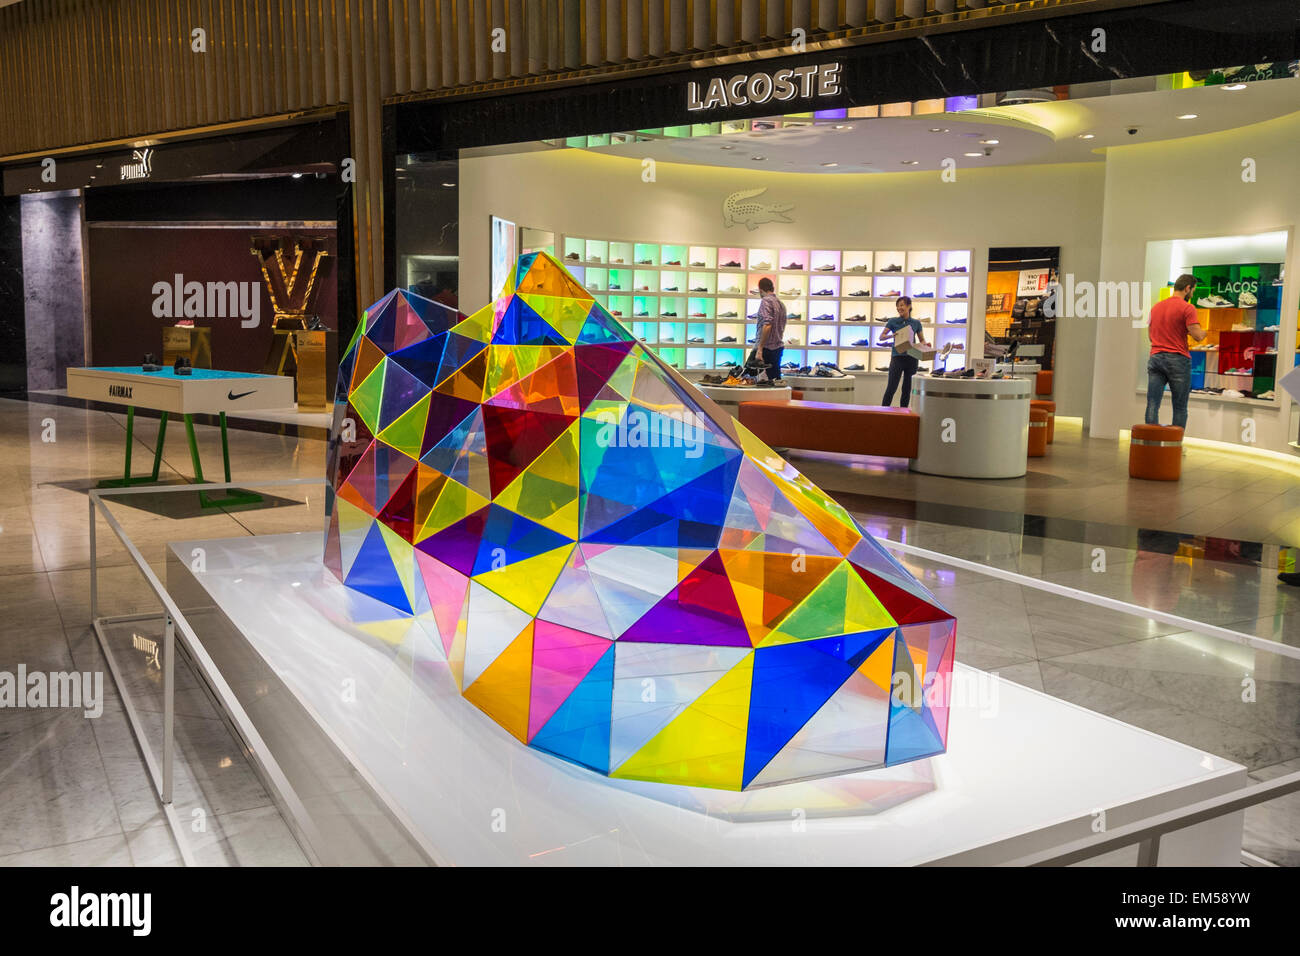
pixel 972 428
pixel 817 388
pixel 1019 369
pixel 204 390
pixel 730 398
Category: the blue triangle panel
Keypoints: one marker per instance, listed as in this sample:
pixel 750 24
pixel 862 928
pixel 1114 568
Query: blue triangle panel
pixel 373 572
pixel 579 729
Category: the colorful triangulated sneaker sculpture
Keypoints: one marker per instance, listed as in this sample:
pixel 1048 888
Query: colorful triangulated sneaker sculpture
pixel 617 571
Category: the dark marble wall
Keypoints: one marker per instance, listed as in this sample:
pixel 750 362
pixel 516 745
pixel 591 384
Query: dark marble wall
pixel 13 332
pixel 53 287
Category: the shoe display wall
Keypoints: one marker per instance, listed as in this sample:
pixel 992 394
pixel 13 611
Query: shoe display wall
pixel 721 290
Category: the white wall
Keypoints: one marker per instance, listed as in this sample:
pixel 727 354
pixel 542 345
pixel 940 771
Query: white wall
pixel 580 193
pixel 1184 189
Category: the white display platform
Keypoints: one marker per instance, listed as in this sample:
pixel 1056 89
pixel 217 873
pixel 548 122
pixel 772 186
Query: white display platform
pixel 817 388
pixel 1024 773
pixel 972 428
pixel 729 399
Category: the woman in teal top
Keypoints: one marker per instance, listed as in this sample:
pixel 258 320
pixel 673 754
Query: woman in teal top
pixel 901 365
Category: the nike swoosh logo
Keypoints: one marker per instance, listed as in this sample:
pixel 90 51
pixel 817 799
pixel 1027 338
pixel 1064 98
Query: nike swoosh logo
pixel 232 396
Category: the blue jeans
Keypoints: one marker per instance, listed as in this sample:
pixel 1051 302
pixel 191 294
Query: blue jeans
pixel 900 367
pixel 1174 370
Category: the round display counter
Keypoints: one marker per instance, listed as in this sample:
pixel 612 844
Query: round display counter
pixel 817 388
pixel 972 428
pixel 729 399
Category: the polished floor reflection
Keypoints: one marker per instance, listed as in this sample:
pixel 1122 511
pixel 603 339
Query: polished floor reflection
pixel 74 790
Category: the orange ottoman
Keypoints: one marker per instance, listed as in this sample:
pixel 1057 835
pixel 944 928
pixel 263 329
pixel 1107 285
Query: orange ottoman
pixel 1037 432
pixel 1156 452
pixel 1043 383
pixel 1050 408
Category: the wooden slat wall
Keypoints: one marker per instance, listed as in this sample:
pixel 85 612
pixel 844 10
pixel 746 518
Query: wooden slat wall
pixel 76 72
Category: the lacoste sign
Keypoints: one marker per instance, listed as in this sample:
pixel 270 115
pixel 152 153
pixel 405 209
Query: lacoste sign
pixel 779 86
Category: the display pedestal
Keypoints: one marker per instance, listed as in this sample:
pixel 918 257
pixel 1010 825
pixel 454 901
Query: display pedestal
pixel 315 361
pixel 815 388
pixel 729 399
pixel 187 341
pixel 972 428
pixel 1024 772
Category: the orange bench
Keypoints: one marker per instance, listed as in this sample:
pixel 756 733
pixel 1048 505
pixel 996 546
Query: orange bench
pixel 1155 452
pixel 826 426
pixel 1043 383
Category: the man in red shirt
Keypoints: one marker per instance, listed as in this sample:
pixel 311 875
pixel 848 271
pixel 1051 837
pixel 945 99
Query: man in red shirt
pixel 1171 362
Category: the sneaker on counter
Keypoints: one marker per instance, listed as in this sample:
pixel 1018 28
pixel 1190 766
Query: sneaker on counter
pixel 791 365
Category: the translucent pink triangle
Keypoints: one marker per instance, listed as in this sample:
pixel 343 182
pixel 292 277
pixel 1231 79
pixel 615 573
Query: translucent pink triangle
pixel 562 657
pixel 410 327
pixel 446 588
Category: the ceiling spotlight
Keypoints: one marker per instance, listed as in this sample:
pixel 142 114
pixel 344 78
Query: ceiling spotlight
pixel 1087 135
pixel 972 154
pixel 936 129
pixel 830 164
pixel 910 162
pixel 1187 116
pixel 758 159
pixel 988 142
pixel 296 175
pixel 842 126
pixel 448 185
pixel 1233 87
pixel 726 147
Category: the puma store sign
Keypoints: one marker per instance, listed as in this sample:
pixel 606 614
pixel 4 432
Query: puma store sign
pixel 779 86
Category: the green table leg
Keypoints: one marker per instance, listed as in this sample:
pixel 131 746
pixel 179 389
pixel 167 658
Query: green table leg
pixel 230 496
pixel 126 480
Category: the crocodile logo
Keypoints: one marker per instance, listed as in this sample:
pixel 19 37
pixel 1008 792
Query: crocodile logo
pixel 740 207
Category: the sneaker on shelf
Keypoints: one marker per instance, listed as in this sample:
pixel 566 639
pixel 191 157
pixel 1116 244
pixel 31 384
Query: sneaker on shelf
pixel 1213 302
pixel 957 295
pixel 924 269
pixel 858 268
pixel 615 287
pixel 824 292
pixel 791 365
pixel 670 288
pixel 792 292
pixel 695 340
pixel 730 314
pixel 955 269
pixel 954 321
pixel 669 315
pixel 734 381
pixel 792 341
pixel 824 317
pixel 828 267
pixel 1231 393
pixel 641 315
pixel 734 290
pixel 573 256
pixel 760 266
pixel 645 262
pixel 891 295
pixel 733 264
pixel 1266 396
pixel 673 262
pixel 699 288
pixel 857 367
pixel 1247 300
pixel 792 266
pixel 668 338
pixel 922 295
pixel 794 315
pixel 1270 328
pixel 855 318
pixel 862 343
pixel 727 339
pixel 859 292
pixel 820 342
pixel 699 315
pixel 698 365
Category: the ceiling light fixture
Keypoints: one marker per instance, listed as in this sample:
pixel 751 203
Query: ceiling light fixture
pixel 1233 87
pixel 989 142
pixel 830 164
pixel 1087 135
pixel 842 126
pixel 936 129
pixel 758 159
pixel 910 162
pixel 726 147
pixel 448 185
pixel 1187 116
pixel 296 175
pixel 972 154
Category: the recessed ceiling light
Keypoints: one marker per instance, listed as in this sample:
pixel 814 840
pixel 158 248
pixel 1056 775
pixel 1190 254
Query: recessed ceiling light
pixel 972 154
pixel 1087 135
pixel 1187 116
pixel 936 129
pixel 830 164
pixel 842 126
pixel 726 147
pixel 448 185
pixel 910 162
pixel 988 142
pixel 1233 87
pixel 758 159
pixel 296 175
